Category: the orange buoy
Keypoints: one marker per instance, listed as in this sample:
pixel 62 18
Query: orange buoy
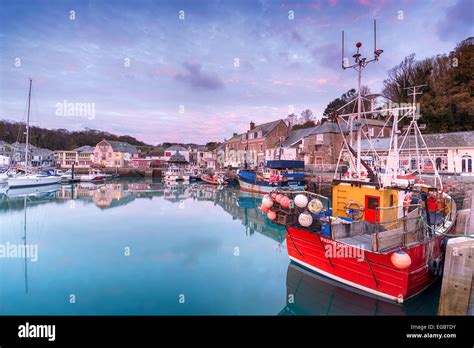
pixel 401 259
pixel 271 215
pixel 285 202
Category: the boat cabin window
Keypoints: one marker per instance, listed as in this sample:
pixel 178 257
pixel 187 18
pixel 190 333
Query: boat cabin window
pixel 372 203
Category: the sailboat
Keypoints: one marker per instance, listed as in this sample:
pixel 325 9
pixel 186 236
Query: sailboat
pixel 29 179
pixel 379 233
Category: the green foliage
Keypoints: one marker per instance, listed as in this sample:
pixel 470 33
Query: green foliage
pixel 59 139
pixel 447 102
pixel 307 124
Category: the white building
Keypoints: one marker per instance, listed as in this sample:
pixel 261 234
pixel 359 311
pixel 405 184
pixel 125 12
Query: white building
pixel 4 161
pixel 452 153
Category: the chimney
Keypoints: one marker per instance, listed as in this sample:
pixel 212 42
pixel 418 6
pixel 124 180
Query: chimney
pixel 252 125
pixel 234 135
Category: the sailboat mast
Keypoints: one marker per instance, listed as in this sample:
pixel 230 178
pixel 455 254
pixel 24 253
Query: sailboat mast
pixel 27 143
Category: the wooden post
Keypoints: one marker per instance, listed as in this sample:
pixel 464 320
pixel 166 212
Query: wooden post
pixel 457 289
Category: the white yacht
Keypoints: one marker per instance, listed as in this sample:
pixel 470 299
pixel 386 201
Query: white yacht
pixel 30 179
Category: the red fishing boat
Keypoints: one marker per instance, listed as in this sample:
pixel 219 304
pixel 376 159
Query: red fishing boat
pixel 380 231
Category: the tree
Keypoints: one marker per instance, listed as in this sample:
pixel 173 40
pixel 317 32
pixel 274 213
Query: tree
pixel 446 103
pixel 306 116
pixel 291 120
pixel 307 124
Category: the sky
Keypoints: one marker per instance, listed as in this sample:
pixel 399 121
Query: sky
pixel 198 71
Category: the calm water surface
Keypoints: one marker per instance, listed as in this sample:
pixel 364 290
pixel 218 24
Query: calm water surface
pixel 138 247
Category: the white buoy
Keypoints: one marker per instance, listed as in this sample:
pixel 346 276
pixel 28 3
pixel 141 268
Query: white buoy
pixel 267 201
pixel 301 200
pixel 305 219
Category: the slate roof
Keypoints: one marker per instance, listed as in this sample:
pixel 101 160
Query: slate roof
pixel 265 128
pixel 85 148
pixel 296 136
pixel 176 148
pixel 119 146
pixel 177 157
pixel 438 140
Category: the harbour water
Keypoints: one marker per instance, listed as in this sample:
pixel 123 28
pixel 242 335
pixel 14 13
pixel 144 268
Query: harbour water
pixel 140 247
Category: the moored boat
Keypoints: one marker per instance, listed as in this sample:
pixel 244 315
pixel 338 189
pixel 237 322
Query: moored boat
pixel 95 175
pixel 175 173
pixel 28 179
pixel 382 232
pixel 275 174
pixel 214 179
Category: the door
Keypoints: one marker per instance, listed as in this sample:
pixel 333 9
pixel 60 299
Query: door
pixel 466 164
pixel 371 204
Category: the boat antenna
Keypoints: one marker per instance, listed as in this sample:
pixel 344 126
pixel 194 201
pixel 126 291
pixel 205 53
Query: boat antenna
pixel 359 64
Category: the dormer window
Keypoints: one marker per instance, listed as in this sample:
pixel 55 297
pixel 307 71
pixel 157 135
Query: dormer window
pixel 251 135
pixel 244 136
pixel 259 134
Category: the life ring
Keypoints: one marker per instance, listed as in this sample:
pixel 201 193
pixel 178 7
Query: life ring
pixel 358 213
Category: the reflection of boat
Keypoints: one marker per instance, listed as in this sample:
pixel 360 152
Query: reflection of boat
pixel 311 294
pixel 33 190
pixel 276 174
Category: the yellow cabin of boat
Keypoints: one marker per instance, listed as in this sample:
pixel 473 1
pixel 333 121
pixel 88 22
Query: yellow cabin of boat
pixel 365 198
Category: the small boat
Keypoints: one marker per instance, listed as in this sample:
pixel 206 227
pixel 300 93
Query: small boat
pixel 214 180
pixel 95 175
pixel 175 173
pixel 275 174
pixel 69 177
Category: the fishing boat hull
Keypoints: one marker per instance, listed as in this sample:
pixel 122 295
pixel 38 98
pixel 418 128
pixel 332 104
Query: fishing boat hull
pixel 371 272
pixel 32 180
pixel 263 189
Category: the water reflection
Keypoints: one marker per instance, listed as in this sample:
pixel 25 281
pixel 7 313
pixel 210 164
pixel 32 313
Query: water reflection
pixel 311 294
pixel 182 238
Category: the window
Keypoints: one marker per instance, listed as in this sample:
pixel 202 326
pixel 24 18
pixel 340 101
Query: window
pixel 319 138
pixel 371 132
pixel 244 136
pixel 261 147
pixel 251 135
pixel 260 134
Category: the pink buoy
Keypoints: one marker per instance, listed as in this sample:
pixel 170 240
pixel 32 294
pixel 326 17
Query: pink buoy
pixel 273 195
pixel 271 215
pixel 401 259
pixel 264 208
pixel 278 197
pixel 285 202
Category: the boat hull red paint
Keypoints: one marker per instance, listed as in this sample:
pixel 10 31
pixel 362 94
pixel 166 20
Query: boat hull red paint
pixel 373 272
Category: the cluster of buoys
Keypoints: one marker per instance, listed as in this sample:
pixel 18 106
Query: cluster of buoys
pixel 301 201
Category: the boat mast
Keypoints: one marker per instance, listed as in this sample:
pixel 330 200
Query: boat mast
pixel 359 65
pixel 28 129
